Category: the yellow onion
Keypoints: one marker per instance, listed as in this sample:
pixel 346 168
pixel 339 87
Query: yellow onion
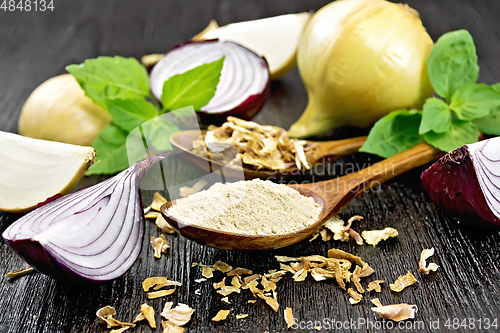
pixel 359 60
pixel 58 110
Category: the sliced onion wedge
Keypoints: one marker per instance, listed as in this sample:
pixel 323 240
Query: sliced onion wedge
pixel 94 234
pixel 33 170
pixel 275 38
pixel 244 82
pixel 467 180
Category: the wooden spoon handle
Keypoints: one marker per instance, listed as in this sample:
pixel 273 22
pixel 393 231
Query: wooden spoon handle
pixel 345 188
pixel 338 147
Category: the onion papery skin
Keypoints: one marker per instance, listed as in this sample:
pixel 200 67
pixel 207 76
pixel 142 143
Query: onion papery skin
pixel 253 73
pixel 360 60
pixel 58 110
pixel 92 235
pixel 452 182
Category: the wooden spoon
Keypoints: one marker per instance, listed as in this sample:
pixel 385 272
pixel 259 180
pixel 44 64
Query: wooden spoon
pixel 183 143
pixel 331 194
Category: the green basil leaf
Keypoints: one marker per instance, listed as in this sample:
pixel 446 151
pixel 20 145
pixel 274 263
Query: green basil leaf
pixel 393 133
pixel 106 78
pixel 436 116
pixel 111 151
pixel 489 124
pixel 474 101
pixel 453 63
pixel 195 87
pixel 460 133
pixel 130 113
pixel 496 87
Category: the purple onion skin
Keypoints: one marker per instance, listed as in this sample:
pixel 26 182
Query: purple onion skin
pixel 38 258
pixel 452 183
pixel 44 262
pixel 246 110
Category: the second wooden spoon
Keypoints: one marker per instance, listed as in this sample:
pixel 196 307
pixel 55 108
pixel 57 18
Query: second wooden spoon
pixel 183 143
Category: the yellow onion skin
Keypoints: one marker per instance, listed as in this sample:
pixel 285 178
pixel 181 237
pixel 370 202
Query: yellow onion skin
pixel 58 110
pixel 359 60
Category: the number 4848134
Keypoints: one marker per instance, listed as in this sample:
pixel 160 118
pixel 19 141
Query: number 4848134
pixel 27 5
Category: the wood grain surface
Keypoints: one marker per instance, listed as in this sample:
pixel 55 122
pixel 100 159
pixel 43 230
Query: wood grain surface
pixel 35 46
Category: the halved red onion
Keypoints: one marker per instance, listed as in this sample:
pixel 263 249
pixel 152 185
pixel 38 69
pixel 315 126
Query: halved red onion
pixel 468 180
pixel 244 82
pixel 94 234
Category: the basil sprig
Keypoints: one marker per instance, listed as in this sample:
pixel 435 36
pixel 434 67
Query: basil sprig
pixel 453 118
pixel 121 86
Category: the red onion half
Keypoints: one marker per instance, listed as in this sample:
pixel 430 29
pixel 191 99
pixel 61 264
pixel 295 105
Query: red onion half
pixel 244 82
pixel 467 180
pixel 94 234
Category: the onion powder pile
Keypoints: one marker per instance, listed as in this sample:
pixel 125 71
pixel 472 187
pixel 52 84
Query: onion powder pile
pixel 253 207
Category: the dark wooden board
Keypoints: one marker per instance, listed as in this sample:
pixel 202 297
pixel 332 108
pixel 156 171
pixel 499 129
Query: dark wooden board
pixel 37 46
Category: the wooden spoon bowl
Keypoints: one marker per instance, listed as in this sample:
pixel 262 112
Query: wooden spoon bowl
pixel 331 194
pixel 182 142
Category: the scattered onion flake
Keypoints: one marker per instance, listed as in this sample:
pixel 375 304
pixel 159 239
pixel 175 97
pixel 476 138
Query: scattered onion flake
pixel 239 271
pixel 290 320
pixel 148 313
pixel 159 245
pixel 208 271
pixel 375 285
pixel 120 330
pixel 221 315
pixel 163 225
pixel 258 147
pixel 336 228
pixel 21 272
pixel 361 272
pixel 152 215
pixel 402 282
pixel 339 254
pixel 156 281
pixel 158 201
pixel 160 293
pixel 376 302
pixel 373 237
pixel 222 266
pixel 355 297
pixel 423 268
pixel 242 316
pixel 271 301
pixel 186 191
pixel 106 314
pixel 169 327
pixel 396 312
pixel 180 315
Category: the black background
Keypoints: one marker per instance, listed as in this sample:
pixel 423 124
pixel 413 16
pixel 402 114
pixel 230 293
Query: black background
pixel 35 46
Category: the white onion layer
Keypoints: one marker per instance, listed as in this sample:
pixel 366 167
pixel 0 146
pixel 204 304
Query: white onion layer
pixel 32 170
pixel 243 74
pixel 485 156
